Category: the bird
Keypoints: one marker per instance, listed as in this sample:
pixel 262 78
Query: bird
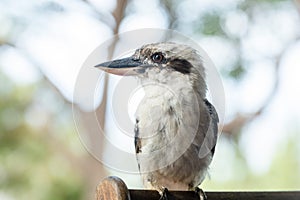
pixel 176 127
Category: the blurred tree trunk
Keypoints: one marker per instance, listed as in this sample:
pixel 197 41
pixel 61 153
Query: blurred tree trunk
pixel 297 2
pixel 96 171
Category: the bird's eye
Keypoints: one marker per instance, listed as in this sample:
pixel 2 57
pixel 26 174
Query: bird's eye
pixel 157 57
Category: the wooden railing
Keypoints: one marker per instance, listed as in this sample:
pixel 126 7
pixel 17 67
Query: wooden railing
pixel 113 188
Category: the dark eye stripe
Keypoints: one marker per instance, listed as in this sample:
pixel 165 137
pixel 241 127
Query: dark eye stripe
pixel 181 65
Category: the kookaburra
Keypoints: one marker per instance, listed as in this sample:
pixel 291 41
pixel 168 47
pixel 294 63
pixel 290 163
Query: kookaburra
pixel 176 126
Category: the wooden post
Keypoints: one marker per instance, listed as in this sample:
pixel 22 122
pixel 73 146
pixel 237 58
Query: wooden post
pixel 113 188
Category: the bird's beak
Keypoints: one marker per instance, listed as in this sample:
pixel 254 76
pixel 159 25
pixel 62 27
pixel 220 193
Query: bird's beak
pixel 124 67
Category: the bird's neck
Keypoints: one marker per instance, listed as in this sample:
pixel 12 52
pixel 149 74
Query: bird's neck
pixel 161 80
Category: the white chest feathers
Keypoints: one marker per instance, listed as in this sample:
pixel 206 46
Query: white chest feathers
pixel 168 119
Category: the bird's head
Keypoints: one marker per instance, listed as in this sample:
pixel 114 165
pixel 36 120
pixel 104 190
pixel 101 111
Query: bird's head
pixel 160 62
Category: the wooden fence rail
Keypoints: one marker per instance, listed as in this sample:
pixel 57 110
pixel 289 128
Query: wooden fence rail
pixel 113 188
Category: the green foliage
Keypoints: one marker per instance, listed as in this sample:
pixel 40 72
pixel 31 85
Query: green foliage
pixel 286 161
pixel 32 166
pixel 237 71
pixel 211 24
pixel 281 174
pixel 248 4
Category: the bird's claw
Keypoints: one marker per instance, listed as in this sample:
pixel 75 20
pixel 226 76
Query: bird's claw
pixel 200 193
pixel 164 194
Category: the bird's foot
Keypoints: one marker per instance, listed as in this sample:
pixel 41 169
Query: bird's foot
pixel 200 193
pixel 164 194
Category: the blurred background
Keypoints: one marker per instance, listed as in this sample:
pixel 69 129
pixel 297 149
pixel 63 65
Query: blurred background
pixel 255 45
